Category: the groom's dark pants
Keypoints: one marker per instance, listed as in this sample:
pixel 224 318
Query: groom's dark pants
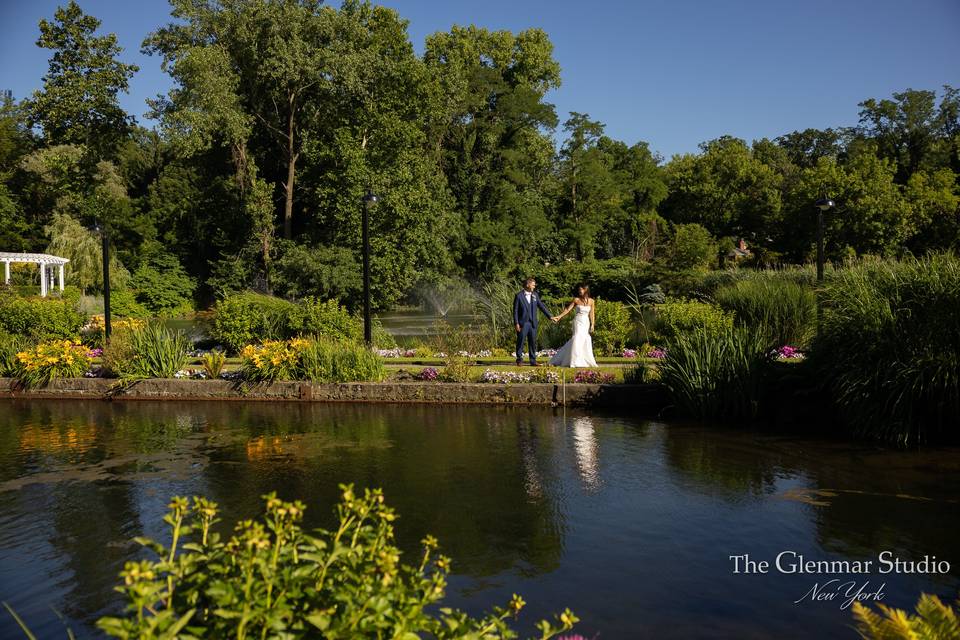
pixel 528 332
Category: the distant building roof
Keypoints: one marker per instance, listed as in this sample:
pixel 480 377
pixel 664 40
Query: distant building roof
pixel 35 258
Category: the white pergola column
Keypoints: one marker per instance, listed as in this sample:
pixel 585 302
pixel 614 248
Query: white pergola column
pixel 43 279
pixel 6 272
pixel 60 278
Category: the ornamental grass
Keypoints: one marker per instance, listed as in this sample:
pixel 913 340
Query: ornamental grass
pixel 889 348
pixel 716 374
pixel 140 350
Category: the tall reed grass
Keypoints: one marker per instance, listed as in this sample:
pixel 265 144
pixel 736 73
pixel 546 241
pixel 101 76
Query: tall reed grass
pixel 716 374
pixel 889 348
pixel 784 310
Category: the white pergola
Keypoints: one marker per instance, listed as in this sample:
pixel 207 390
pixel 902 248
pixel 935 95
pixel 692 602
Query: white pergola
pixel 45 261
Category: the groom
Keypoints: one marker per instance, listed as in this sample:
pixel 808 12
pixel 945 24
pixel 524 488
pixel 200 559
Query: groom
pixel 525 319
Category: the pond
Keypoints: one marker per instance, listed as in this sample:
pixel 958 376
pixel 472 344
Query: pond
pixel 629 522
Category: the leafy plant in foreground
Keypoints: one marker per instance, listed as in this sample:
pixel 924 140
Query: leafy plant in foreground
pixel 933 619
pixel 273 578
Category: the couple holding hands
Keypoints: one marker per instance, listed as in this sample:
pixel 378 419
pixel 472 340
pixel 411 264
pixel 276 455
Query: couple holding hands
pixel 578 351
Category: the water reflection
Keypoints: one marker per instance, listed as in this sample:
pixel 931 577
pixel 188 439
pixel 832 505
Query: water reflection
pixel 587 451
pixel 628 522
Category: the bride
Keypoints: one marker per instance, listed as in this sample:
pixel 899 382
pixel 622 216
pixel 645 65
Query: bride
pixel 578 352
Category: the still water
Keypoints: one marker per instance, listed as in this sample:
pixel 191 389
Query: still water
pixel 629 522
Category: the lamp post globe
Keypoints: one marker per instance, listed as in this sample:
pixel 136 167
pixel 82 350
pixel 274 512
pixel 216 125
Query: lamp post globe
pixel 370 200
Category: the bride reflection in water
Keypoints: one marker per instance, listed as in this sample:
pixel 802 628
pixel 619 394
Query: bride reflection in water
pixel 586 449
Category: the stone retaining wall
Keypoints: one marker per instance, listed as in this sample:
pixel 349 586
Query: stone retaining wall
pixel 642 398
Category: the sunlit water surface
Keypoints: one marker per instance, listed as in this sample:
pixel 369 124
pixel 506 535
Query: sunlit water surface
pixel 629 522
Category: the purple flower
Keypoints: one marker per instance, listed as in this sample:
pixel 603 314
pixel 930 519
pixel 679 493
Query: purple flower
pixel 428 373
pixel 593 377
pixel 788 353
pixel 95 353
pixel 657 353
pixel 629 353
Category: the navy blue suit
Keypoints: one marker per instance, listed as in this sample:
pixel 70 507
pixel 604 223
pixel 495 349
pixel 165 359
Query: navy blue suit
pixel 525 315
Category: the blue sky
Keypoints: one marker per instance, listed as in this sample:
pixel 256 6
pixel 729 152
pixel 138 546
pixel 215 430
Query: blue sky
pixel 671 72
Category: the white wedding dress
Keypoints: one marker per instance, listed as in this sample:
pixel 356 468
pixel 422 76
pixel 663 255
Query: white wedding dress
pixel 578 352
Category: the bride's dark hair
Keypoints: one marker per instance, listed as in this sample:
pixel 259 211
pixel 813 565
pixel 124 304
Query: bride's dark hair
pixel 585 287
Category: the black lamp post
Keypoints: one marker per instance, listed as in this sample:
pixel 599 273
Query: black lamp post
pixel 105 239
pixel 823 205
pixel 369 202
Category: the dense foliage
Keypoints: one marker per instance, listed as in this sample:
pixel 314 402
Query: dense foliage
pixel 245 318
pixel 254 178
pixel 40 318
pixel 272 577
pixel 889 347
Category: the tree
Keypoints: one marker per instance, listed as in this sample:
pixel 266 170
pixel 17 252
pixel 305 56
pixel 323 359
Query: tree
pixel 727 190
pixel 805 148
pixel 905 129
pixel 78 103
pixel 488 136
pixel 590 193
pixel 692 247
pixel 70 239
pixel 245 64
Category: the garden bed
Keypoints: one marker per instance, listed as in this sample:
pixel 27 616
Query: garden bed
pixel 641 399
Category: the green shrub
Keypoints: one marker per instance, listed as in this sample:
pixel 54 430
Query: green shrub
pixel 716 374
pixel 163 286
pixel 317 359
pixel 146 351
pixel 248 317
pixel 123 304
pixel 455 370
pixel 326 360
pixel 677 317
pixel 785 312
pixel 40 318
pixel 709 283
pixel 613 326
pixel 327 319
pixel 37 366
pixel 889 348
pixel 273 579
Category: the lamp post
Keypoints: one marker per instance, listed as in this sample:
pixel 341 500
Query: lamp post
pixel 369 202
pixel 105 239
pixel 823 205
